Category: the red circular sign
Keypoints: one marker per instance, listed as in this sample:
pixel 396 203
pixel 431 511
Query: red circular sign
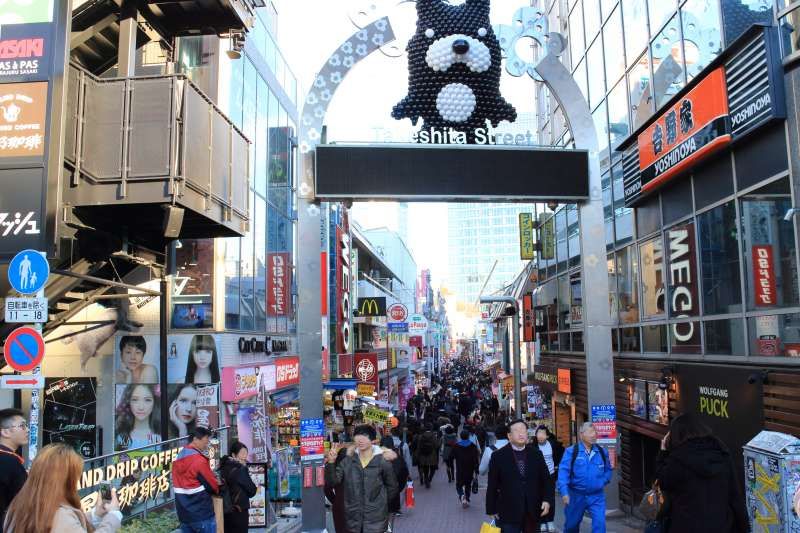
pixel 24 349
pixel 398 312
pixel 365 370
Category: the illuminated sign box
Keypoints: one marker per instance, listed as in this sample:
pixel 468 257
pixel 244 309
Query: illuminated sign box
pixel 412 172
pixel 736 94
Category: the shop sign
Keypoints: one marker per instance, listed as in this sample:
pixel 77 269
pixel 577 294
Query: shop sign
pixel 345 365
pixel 565 380
pixel 576 312
pixel 768 340
pixel 417 324
pixel 70 413
pixel 25 53
pixel 365 389
pixel 279 283
pixel 415 341
pixel 527 318
pixel 383 364
pixel 129 468
pixel 23 109
pixel 252 345
pixel 375 415
pixel 526 238
pixel 548 378
pixel 372 306
pixel 312 435
pixel 287 372
pixel 257 513
pixel 279 345
pixel 343 246
pixel 548 234
pixel 366 368
pixel 397 313
pixel 398 327
pixel 731 100
pixel 604 420
pixel 240 383
pixel 604 412
pixel 683 301
pixel 763 275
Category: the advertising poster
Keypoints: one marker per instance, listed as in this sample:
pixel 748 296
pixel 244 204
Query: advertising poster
pixel 638 398
pixel 25 52
pixel 136 417
pixel 279 284
pixel 251 423
pixel 136 359
pixel 23 109
pixel 191 406
pixel 258 503
pixel 312 434
pixel 193 359
pixel 282 466
pixel 657 404
pixel 70 409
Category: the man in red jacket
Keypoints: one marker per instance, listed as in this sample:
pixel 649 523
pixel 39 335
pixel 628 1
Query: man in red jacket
pixel 194 483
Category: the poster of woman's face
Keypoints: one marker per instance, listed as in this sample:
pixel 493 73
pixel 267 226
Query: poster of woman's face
pixel 136 359
pixel 137 420
pixel 192 359
pixel 638 399
pixel 191 406
pixel 657 404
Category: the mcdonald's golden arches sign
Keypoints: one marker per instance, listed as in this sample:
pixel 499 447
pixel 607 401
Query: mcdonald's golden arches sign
pixel 372 306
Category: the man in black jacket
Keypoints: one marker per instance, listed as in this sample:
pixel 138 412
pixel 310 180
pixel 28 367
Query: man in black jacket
pixel 13 435
pixel 518 489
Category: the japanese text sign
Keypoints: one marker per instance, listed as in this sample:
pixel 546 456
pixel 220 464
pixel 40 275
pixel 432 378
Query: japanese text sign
pixel 764 275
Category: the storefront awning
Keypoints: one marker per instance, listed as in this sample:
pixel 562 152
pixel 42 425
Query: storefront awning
pixel 340 384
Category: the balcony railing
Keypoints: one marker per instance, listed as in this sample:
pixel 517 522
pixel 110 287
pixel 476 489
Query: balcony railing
pixel 154 140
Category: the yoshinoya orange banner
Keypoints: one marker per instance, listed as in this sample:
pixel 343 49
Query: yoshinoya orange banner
pixel 693 128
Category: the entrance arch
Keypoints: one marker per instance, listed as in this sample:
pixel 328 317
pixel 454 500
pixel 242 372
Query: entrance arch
pixel 597 319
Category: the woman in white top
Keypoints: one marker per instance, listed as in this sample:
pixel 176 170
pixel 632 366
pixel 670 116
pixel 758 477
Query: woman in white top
pixel 553 451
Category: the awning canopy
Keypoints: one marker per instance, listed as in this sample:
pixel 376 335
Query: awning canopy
pixel 340 384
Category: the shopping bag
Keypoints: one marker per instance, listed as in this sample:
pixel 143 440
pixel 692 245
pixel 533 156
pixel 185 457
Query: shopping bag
pixel 652 503
pixel 488 527
pixel 219 513
pixel 409 495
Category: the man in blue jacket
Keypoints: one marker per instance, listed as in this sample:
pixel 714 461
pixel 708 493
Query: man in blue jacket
pixel 582 475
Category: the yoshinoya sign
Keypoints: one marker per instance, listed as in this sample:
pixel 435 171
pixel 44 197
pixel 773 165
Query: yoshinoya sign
pixel 737 93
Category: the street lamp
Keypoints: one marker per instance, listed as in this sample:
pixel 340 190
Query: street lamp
pixel 510 300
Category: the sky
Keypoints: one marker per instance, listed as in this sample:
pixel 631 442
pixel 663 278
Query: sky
pixel 310 30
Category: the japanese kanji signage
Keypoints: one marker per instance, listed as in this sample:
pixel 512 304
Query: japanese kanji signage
pixel 312 436
pixel 366 368
pixel 764 275
pixel 526 238
pixel 279 281
pixel 527 318
pixel 23 107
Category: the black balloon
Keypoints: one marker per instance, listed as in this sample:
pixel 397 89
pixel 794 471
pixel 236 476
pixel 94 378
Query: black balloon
pixel 425 84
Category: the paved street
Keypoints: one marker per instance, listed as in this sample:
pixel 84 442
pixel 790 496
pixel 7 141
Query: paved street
pixel 438 509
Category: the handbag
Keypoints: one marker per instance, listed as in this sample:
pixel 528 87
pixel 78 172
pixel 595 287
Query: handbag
pixel 652 503
pixel 474 485
pixel 489 527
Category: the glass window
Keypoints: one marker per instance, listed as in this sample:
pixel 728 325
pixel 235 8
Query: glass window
pixel 563 303
pixel 629 340
pixel 262 138
pixel 652 257
pixel 573 235
pixel 668 61
pixel 619 126
pixel 594 63
pixel 613 300
pixel 660 11
pixel 639 90
pixel 607 6
pixel 259 223
pixel 232 262
pixel 684 338
pixel 654 338
pixel 577 341
pixel 702 40
pixel 237 89
pixel 580 79
pixel 591 18
pixel 193 284
pixel 634 14
pixel 738 15
pixel 614 48
pixel 615 340
pixel 608 210
pixel 724 337
pixel 561 239
pixel 576 304
pixel 627 276
pixel 789 24
pixel 719 260
pixel 623 216
pixel 247 282
pixel 775 335
pixel 601 126
pixel 576 43
pixel 769 253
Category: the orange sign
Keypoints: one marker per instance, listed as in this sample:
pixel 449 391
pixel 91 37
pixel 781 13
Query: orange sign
pixel 693 128
pixel 565 380
pixel 22 119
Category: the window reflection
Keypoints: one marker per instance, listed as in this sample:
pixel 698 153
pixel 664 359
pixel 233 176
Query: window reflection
pixel 614 48
pixel 627 282
pixel 719 260
pixel 591 17
pixel 659 11
pixel 741 14
pixel 193 285
pixel 668 66
pixel 576 42
pixel 618 126
pixel 651 253
pixel 725 337
pixel 775 335
pixel 594 64
pixel 641 98
pixel 634 13
pixel 702 40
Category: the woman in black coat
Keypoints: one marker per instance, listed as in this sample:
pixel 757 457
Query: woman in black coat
pixel 696 474
pixel 233 470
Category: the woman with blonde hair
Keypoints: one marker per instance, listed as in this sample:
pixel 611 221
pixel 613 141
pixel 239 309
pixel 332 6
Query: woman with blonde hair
pixel 49 501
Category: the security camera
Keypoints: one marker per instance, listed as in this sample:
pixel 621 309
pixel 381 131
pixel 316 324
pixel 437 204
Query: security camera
pixel 791 212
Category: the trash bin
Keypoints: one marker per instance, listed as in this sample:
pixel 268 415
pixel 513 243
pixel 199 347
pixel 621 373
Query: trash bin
pixel 772 475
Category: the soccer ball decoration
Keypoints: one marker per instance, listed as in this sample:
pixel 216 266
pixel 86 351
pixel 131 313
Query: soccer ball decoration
pixel 454 69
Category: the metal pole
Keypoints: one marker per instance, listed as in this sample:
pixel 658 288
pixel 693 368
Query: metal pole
pixel 510 300
pixel 162 360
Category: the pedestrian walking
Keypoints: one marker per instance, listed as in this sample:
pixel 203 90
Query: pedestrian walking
pixel 519 484
pixel 368 482
pixel 582 475
pixel 467 458
pixel 553 452
pixel 49 501
pixel 13 435
pixel 427 450
pixel 401 447
pixel 448 442
pixel 401 473
pixel 501 439
pixel 234 473
pixel 696 474
pixel 194 484
pixel 335 494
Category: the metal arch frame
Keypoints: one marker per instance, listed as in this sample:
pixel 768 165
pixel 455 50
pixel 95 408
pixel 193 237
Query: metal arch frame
pixel 597 319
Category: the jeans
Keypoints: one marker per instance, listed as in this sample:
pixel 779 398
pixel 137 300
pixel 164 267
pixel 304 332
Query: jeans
pixel 208 525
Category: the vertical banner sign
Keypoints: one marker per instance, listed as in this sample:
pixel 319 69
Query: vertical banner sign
pixel 344 311
pixel 764 275
pixel 527 318
pixel 683 300
pixel 279 283
pixel 32 41
pixel 547 225
pixel 526 242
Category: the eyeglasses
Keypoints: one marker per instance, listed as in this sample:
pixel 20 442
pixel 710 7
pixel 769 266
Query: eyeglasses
pixel 22 425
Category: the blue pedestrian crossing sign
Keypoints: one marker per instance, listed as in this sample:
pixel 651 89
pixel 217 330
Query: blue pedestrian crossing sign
pixel 28 271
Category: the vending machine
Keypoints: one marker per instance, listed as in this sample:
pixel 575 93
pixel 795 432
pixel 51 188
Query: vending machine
pixel 772 476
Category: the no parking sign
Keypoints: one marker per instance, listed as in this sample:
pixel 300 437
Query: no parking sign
pixel 24 349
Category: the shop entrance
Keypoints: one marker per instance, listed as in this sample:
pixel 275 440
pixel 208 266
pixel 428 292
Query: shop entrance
pixel 443 173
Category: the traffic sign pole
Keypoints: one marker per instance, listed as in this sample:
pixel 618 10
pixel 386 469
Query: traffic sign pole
pixel 33 423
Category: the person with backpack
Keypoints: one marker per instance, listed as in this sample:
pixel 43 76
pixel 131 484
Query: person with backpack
pixel 501 436
pixel 582 475
pixel 466 456
pixel 237 489
pixel 553 452
pixel 448 441
pixel 427 452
